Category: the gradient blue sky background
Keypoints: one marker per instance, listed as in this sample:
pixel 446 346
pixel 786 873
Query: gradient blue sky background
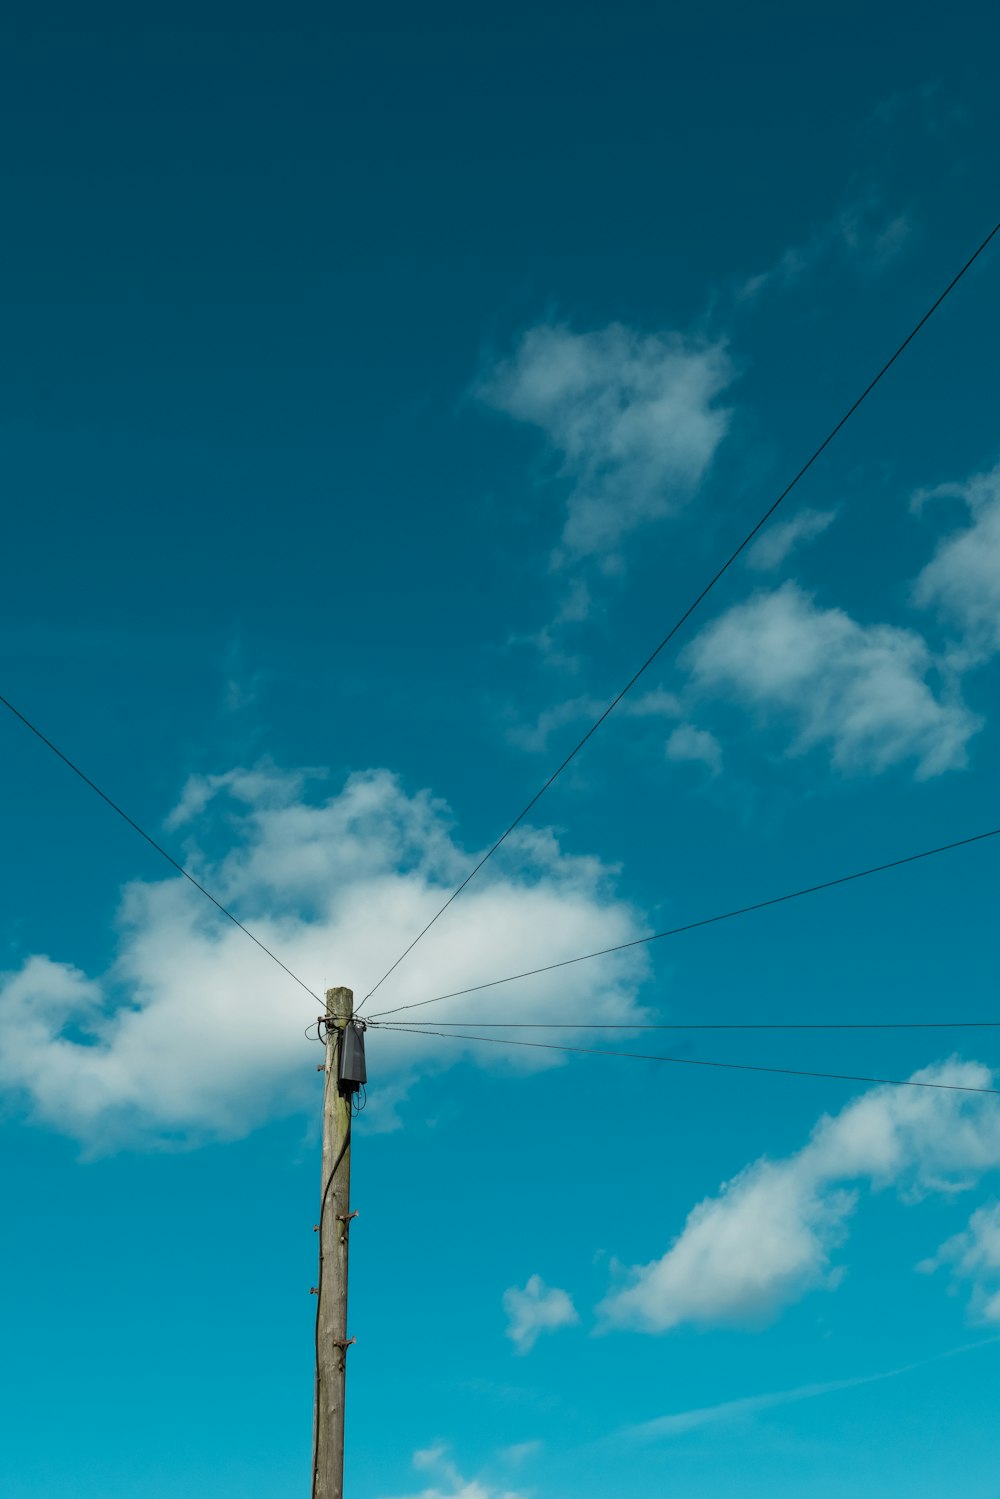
pixel 376 389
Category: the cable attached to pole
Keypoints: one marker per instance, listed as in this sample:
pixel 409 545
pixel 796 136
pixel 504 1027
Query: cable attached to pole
pixel 642 1056
pixel 887 366
pixel 692 926
pixel 153 843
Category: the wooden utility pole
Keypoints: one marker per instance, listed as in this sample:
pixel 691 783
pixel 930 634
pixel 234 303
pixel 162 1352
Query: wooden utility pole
pixel 342 1040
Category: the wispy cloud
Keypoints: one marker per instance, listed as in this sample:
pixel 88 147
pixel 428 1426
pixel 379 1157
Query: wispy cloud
pixel 700 746
pixel 861 233
pixel 776 544
pixel 729 1411
pixel 448 1483
pixel 974 1256
pixel 534 1309
pixel 536 736
pixel 520 1452
pixel 632 417
pixel 732 1411
pixel 963 577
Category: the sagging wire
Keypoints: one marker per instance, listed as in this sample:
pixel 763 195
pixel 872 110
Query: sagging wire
pixel 691 926
pixel 698 1025
pixel 645 1056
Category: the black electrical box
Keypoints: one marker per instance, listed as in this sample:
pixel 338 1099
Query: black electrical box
pixel 351 1072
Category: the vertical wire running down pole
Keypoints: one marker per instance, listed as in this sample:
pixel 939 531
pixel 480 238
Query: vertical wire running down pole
pixel 334 1235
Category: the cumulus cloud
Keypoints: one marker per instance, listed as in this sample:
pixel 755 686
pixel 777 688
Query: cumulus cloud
pixel 447 1482
pixel 777 542
pixel 764 1242
pixel 770 1236
pixel 687 742
pixel 975 1255
pixel 193 1033
pixel 633 417
pixel 862 690
pixel 963 577
pixel 535 1309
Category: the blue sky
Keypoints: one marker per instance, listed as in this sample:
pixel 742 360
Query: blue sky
pixel 376 391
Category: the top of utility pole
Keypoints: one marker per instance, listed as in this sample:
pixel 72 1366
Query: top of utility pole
pixel 340 1005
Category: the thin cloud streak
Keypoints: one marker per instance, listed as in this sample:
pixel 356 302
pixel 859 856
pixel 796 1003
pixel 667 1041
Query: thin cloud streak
pixel 681 1422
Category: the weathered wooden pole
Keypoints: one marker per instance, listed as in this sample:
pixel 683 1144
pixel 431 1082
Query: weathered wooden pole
pixel 332 1341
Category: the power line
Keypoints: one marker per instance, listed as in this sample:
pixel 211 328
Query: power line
pixel 642 1056
pixel 691 926
pixel 153 844
pixel 691 608
pixel 722 1025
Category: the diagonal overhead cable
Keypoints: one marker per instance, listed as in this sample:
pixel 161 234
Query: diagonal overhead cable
pixel 644 1056
pixel 153 844
pixel 691 926
pixel 692 606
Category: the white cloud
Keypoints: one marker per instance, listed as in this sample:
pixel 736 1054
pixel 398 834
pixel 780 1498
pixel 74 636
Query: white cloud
pixel 975 1256
pixel 770 1235
pixel 963 578
pixel 699 745
pixel 633 416
pixel 436 1461
pixel 778 541
pixel 194 1033
pixel 764 1242
pixel 536 1309
pixel 862 690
